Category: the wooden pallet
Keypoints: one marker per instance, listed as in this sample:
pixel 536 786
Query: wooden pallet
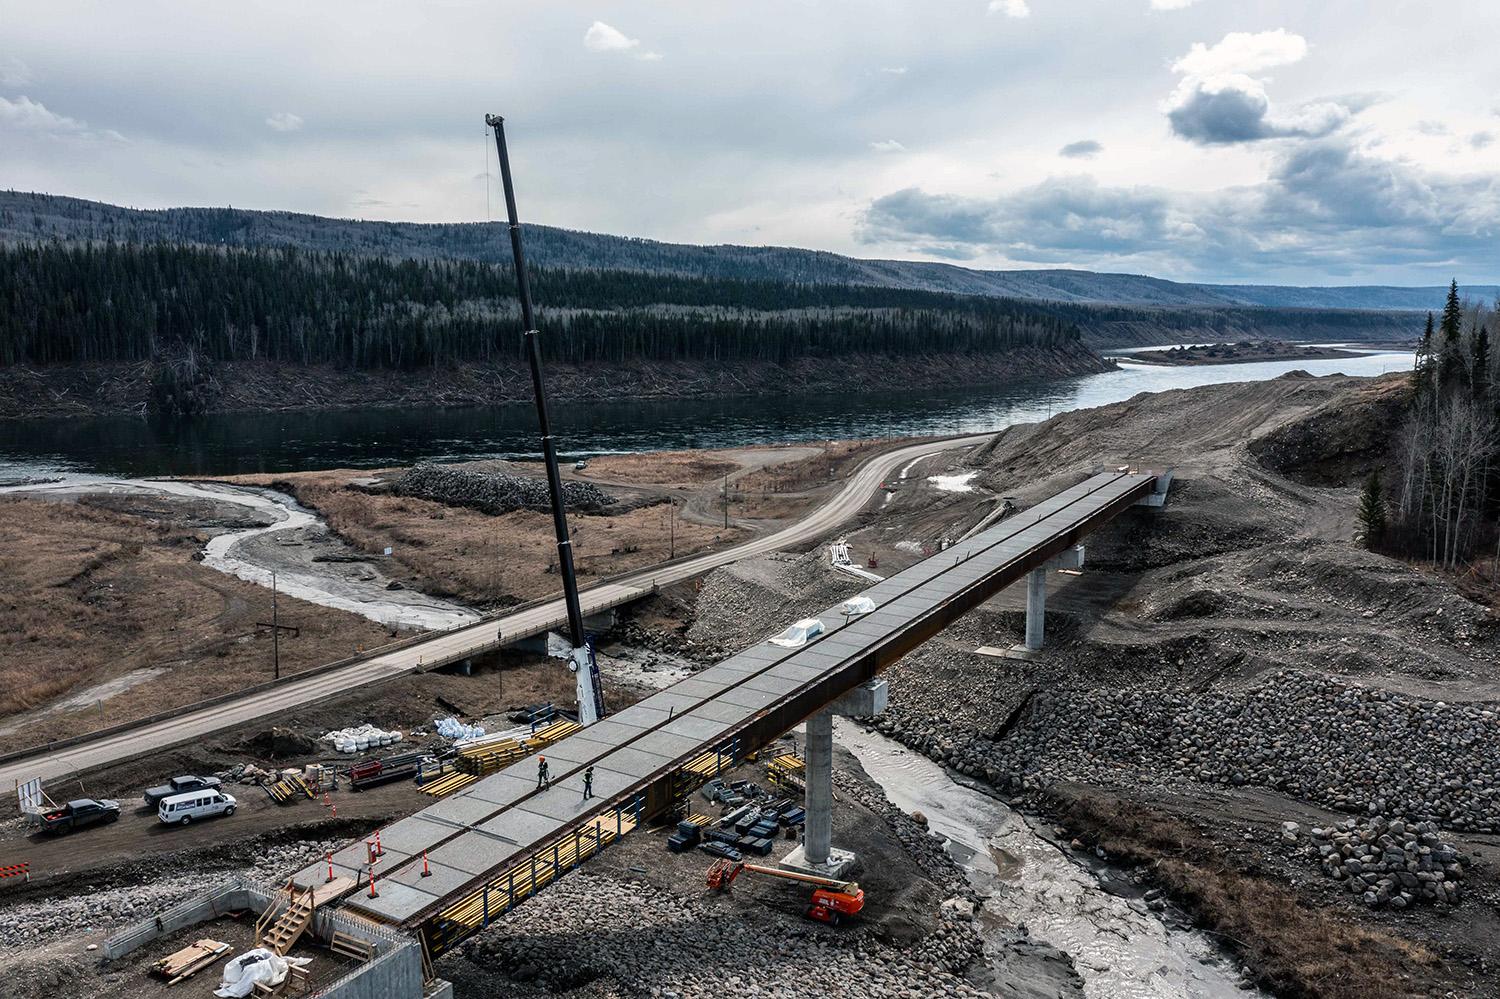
pixel 189 961
pixel 343 943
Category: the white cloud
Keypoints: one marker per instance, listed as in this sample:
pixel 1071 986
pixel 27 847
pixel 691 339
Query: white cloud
pixel 26 115
pixel 1242 52
pixel 888 146
pixel 284 121
pixel 602 37
pixel 1010 8
pixel 894 70
pixel 1171 4
pixel 14 73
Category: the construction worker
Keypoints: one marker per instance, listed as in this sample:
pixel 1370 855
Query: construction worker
pixel 541 773
pixel 588 783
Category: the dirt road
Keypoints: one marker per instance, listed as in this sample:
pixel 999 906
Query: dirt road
pixel 450 646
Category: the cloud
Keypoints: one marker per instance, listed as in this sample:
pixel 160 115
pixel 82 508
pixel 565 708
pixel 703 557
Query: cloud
pixel 1482 140
pixel 602 37
pixel 1081 150
pixel 1326 206
pixel 284 121
pixel 1171 4
pixel 1243 52
pixel 14 73
pixel 26 116
pixel 894 70
pixel 1218 101
pixel 1010 8
pixel 888 146
pixel 1234 108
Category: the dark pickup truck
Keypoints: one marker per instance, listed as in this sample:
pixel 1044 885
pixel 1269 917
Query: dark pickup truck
pixel 80 813
pixel 180 785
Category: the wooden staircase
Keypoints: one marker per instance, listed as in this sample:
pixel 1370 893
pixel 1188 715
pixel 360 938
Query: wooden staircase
pixel 279 934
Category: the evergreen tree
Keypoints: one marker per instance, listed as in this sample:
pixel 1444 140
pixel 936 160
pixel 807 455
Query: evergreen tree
pixel 1424 364
pixel 1450 344
pixel 1371 513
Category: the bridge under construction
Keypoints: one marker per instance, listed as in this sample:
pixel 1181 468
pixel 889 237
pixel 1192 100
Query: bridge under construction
pixel 445 872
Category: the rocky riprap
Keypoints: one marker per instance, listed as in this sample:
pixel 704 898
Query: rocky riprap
pixel 90 909
pixel 1393 863
pixel 494 492
pixel 667 945
pixel 1351 748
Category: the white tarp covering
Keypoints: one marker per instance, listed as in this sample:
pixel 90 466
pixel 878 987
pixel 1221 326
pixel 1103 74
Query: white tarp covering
pixel 258 965
pixel 361 738
pixel 452 728
pixel 799 634
pixel 855 606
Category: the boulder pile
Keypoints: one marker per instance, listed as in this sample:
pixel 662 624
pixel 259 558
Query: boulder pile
pixel 1393 863
pixel 494 492
pixel 1351 748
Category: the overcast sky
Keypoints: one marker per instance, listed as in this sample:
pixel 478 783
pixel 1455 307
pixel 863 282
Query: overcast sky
pixel 1287 141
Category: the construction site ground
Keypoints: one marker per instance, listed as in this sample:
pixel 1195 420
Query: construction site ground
pixel 62 975
pixel 1246 590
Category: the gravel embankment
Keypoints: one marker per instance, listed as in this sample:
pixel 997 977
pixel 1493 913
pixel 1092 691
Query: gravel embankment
pixel 494 492
pixel 32 924
pixel 1348 747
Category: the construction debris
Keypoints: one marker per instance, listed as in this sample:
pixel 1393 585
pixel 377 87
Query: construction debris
pixel 361 738
pixel 190 960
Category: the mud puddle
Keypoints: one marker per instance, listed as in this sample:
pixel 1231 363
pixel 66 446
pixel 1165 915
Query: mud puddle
pixel 1120 948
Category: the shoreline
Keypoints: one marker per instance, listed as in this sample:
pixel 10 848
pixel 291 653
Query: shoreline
pixel 118 389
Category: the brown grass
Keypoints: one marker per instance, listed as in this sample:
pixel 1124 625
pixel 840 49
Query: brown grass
pixel 660 468
pixel 1295 949
pixel 88 594
pixel 486 559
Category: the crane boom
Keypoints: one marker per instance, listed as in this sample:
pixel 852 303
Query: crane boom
pixel 590 697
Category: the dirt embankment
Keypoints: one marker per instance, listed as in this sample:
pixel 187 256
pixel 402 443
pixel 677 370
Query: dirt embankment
pixel 103 605
pixel 1222 667
pixel 103 389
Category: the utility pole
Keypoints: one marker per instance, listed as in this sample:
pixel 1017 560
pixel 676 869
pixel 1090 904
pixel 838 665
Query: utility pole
pixel 672 526
pixel 726 502
pixel 590 701
pixel 275 633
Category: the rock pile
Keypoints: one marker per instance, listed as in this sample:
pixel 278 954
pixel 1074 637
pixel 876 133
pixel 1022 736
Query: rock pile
pixel 668 945
pixel 90 910
pixel 494 492
pixel 1391 863
pixel 1348 747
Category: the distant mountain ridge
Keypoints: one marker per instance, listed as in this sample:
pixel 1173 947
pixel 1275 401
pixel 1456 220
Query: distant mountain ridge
pixel 26 217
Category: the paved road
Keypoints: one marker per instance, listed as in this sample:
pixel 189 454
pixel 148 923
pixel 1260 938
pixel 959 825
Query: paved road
pixel 450 646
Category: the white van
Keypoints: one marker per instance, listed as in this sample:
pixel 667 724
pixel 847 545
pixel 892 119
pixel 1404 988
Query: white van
pixel 184 808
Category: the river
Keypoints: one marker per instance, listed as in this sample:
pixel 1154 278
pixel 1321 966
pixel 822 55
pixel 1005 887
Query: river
pixel 1120 948
pixel 233 443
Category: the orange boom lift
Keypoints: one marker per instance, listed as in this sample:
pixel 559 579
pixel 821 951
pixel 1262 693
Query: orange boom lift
pixel 831 901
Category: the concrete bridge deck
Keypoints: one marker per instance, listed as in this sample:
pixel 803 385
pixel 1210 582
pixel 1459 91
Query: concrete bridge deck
pixel 482 847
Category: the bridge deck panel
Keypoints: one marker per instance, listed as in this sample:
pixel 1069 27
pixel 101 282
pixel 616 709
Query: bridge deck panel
pixel 763 685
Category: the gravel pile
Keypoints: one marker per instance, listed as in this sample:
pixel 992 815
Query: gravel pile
pixel 106 909
pixel 1350 748
pixel 661 944
pixel 1391 863
pixel 494 492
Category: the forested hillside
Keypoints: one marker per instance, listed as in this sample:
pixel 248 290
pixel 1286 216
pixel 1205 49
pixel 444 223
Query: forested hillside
pixel 85 303
pixel 31 217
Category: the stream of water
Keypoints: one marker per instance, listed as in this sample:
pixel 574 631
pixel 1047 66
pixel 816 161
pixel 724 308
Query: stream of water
pixel 1120 948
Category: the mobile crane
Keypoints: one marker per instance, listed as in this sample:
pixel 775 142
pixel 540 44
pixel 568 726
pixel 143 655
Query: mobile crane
pixel 832 900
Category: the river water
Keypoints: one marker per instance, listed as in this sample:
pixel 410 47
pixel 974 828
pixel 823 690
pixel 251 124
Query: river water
pixel 1120 948
pixel 265 442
